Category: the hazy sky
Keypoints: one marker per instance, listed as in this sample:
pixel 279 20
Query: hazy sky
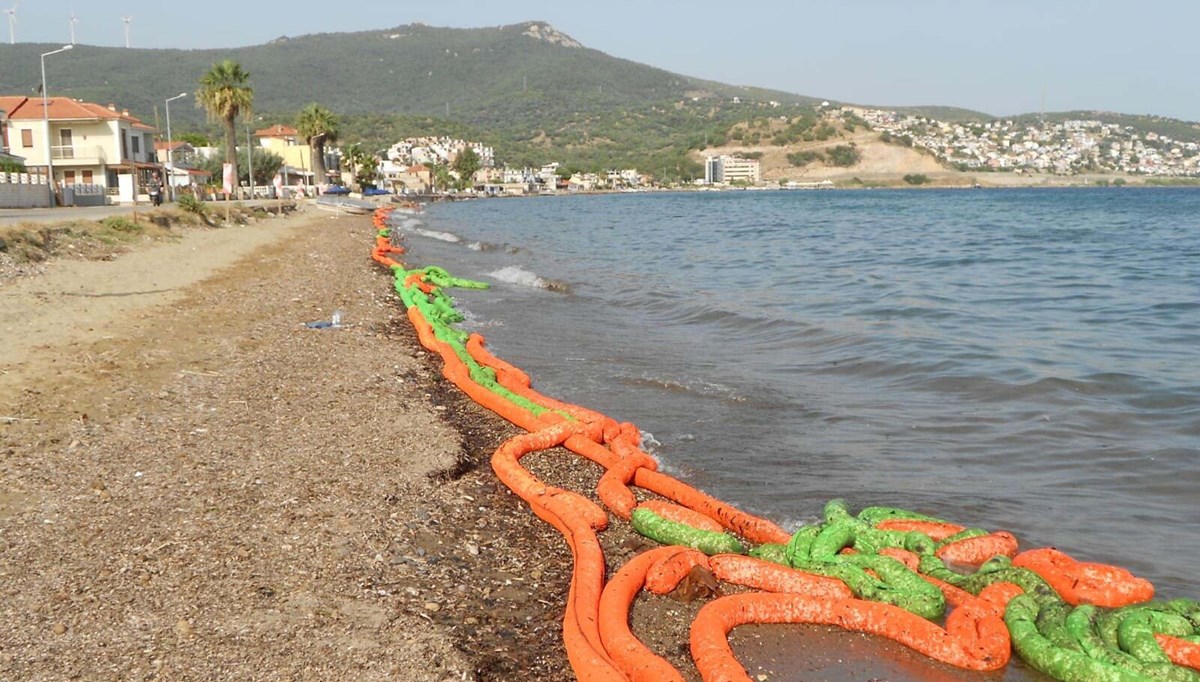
pixel 997 56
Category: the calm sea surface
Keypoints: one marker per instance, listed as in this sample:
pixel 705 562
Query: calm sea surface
pixel 1026 360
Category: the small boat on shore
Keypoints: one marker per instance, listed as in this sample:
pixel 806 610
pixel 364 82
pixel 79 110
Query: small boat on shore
pixel 340 204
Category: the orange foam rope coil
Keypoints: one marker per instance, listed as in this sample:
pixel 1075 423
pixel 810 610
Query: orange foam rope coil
pixel 975 640
pixel 632 658
pixel 1079 582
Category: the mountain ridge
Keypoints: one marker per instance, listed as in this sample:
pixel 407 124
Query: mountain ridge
pixel 524 87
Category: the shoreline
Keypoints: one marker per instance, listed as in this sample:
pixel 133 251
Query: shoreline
pixel 205 487
pixel 197 486
pixel 896 184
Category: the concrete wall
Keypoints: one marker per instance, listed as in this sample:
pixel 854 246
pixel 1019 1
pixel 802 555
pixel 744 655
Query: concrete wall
pixel 20 190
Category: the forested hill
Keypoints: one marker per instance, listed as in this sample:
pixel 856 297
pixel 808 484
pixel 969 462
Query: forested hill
pixel 525 73
pixel 532 92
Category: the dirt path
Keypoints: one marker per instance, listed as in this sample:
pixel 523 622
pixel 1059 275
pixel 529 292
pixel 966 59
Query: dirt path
pixel 76 300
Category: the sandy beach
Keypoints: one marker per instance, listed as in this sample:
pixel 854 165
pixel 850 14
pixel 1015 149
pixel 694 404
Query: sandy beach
pixel 195 486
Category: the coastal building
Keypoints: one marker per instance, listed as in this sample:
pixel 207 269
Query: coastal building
pixel 18 189
pixel 442 150
pixel 1067 147
pixel 623 179
pixel 712 170
pixel 548 176
pixel 406 179
pixel 98 153
pixel 583 182
pixel 727 170
pixel 178 159
pixel 286 142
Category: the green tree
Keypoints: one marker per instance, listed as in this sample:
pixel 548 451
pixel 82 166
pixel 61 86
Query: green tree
pixel 466 164
pixel 318 126
pixel 194 139
pixel 844 155
pixel 441 176
pixel 225 94
pixel 363 165
pixel 803 158
pixel 266 163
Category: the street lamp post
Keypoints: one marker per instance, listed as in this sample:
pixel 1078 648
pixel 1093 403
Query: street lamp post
pixel 46 122
pixel 171 149
pixel 250 160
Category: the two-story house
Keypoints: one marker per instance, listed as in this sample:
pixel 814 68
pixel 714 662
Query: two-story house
pixel 89 144
pixel 179 159
pixel 285 141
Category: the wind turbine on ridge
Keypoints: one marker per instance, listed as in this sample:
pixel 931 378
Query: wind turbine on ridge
pixel 74 20
pixel 127 20
pixel 12 23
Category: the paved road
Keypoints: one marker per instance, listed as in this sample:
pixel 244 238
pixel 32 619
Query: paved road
pixel 12 216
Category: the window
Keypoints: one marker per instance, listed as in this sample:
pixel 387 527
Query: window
pixel 69 177
pixel 137 144
pixel 27 138
pixel 67 150
pixel 87 177
pixel 124 144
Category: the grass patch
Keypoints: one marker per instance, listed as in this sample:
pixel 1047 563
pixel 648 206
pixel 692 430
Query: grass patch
pixel 120 224
pixel 93 239
pixel 1171 182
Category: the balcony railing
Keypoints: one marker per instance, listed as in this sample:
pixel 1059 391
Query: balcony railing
pixel 81 153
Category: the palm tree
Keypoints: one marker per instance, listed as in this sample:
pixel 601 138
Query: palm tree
pixel 224 94
pixel 362 165
pixel 318 125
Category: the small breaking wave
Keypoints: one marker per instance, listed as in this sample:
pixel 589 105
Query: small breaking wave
pixel 515 274
pixel 706 389
pixel 435 234
pixel 650 444
pixel 473 321
pixel 482 246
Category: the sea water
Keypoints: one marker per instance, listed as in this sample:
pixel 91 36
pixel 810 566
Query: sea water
pixel 1017 359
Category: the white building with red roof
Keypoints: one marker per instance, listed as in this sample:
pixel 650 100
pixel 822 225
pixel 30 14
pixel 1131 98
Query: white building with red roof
pixel 90 145
pixel 179 159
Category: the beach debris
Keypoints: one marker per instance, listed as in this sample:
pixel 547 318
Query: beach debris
pixel 334 322
pixel 699 583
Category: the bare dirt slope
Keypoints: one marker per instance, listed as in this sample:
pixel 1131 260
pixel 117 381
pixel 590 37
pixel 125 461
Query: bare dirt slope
pixel 880 160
